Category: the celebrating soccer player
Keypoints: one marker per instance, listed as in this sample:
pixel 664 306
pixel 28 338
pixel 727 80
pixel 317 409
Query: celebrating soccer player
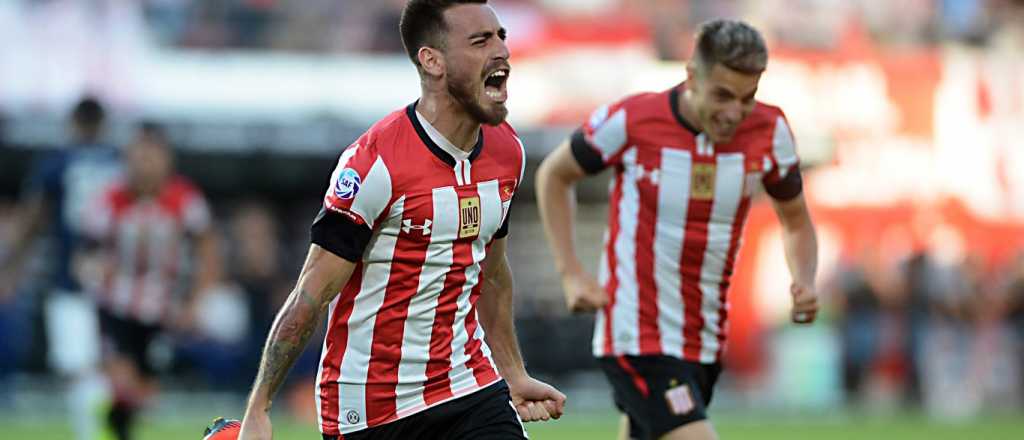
pixel 408 258
pixel 686 163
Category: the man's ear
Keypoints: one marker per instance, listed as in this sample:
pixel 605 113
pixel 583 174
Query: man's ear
pixel 431 61
pixel 691 74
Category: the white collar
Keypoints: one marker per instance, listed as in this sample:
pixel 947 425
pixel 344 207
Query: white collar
pixel 457 153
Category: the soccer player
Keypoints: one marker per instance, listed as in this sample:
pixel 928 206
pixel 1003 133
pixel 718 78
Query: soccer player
pixel 143 229
pixel 408 258
pixel 57 196
pixel 686 163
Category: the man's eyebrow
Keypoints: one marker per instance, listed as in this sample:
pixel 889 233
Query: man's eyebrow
pixel 724 91
pixel 487 34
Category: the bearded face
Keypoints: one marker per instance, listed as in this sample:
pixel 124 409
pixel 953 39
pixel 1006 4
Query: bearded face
pixel 476 59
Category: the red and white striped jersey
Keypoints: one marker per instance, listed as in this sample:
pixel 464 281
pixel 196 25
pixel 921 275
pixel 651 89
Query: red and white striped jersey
pixel 676 212
pixel 145 243
pixel 403 334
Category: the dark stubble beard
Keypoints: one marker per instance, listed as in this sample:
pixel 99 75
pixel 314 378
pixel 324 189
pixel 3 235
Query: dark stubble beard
pixel 460 87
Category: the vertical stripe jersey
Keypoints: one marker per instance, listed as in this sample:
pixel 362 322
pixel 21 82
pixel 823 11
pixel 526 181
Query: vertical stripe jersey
pixel 676 212
pixel 417 216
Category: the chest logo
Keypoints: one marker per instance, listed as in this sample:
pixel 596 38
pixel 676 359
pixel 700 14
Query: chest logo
pixel 702 182
pixel 469 217
pixel 407 226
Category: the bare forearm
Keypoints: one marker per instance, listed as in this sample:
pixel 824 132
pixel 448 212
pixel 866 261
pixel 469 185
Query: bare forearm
pixel 557 203
pixel 322 276
pixel 801 247
pixel 295 323
pixel 496 316
pixel 209 270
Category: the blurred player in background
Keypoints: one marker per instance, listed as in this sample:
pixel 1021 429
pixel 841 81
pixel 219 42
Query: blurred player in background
pixel 408 258
pixel 147 230
pixel 56 199
pixel 686 164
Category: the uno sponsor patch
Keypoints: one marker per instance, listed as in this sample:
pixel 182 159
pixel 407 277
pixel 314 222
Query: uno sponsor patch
pixel 348 184
pixel 702 181
pixel 469 217
pixel 679 399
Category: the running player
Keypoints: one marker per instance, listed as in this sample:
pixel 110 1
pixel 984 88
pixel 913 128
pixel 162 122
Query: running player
pixel 408 258
pixel 56 199
pixel 143 230
pixel 686 163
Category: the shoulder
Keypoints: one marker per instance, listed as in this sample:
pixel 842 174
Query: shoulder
pixel 631 110
pixel 387 134
pixel 52 164
pixel 502 143
pixel 765 117
pixel 117 193
pixel 634 105
pixel 179 184
pixel 180 191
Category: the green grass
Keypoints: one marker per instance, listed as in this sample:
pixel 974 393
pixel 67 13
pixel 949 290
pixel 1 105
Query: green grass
pixel 598 427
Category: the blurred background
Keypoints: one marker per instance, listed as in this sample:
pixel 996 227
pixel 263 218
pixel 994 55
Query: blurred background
pixel 909 119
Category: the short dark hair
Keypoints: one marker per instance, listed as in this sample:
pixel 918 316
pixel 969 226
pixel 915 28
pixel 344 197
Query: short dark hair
pixel 731 43
pixel 88 113
pixel 153 131
pixel 423 24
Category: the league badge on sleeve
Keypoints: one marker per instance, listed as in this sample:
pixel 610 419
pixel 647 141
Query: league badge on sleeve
pixel 347 184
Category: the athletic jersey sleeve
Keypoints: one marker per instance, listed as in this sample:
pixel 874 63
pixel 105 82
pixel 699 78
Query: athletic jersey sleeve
pixel 47 177
pixel 782 179
pixel 600 141
pixel 358 192
pixel 196 215
pixel 508 192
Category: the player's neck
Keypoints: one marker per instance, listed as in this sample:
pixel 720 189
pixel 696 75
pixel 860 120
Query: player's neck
pixel 450 120
pixel 685 108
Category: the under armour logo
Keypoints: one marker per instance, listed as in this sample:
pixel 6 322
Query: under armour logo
pixel 653 174
pixel 408 226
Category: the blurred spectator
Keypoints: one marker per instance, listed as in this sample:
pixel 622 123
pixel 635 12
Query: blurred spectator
pixel 1012 305
pixel 859 311
pixel 256 264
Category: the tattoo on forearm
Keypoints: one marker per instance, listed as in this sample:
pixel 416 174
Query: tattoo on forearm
pixel 289 335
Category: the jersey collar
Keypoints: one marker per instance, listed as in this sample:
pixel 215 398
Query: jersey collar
pixel 673 104
pixel 410 112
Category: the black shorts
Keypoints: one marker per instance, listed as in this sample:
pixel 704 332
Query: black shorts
pixel 660 393
pixel 485 414
pixel 131 339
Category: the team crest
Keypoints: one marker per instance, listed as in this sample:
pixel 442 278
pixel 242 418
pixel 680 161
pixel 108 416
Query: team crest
pixel 702 181
pixel 507 190
pixel 469 217
pixel 348 184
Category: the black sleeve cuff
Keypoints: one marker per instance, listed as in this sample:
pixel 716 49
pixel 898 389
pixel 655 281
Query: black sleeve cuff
pixel 340 235
pixel 787 188
pixel 503 230
pixel 588 158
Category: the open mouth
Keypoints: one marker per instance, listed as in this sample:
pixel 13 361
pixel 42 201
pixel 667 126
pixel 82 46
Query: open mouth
pixel 494 85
